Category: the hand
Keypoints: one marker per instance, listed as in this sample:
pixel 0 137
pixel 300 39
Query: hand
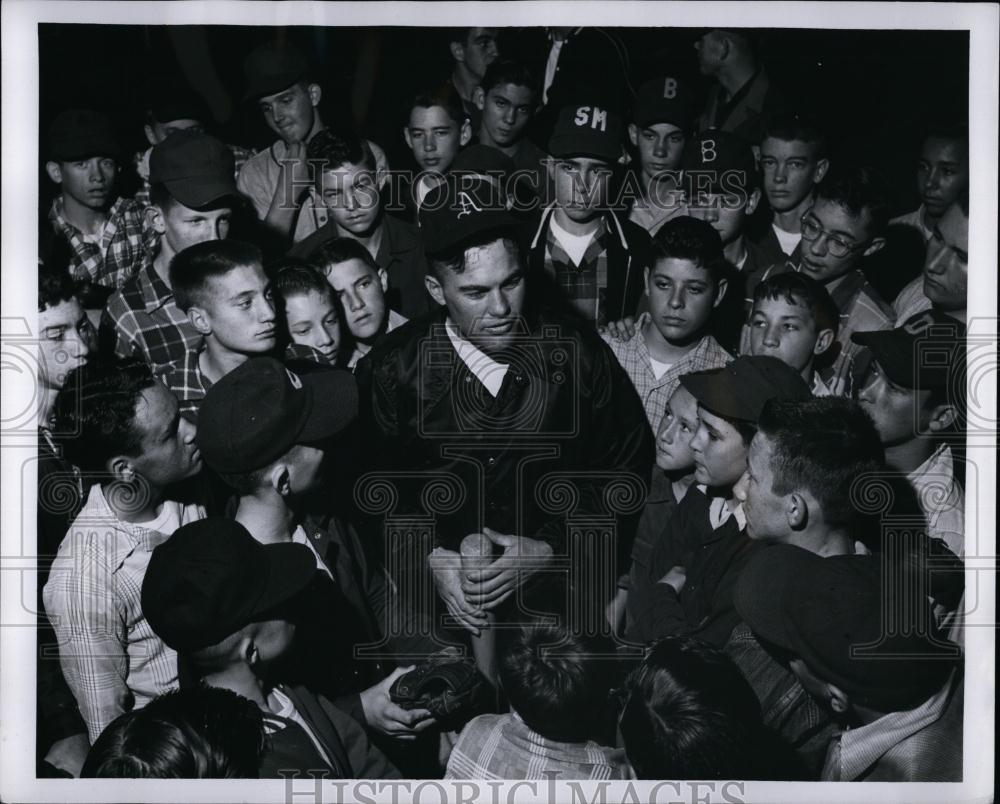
pixel 675 578
pixel 623 330
pixel 69 753
pixel 445 746
pixel 522 557
pixel 614 612
pixel 446 567
pixel 388 718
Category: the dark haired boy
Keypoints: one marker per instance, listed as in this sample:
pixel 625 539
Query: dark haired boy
pixel 222 288
pixel 473 51
pixel 122 427
pixel 684 284
pixel 106 234
pixel 192 198
pixel 226 604
pixel 942 177
pixel 558 684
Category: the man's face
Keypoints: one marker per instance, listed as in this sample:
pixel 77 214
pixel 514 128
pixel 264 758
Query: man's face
pixel 764 510
pixel 350 194
pixel 720 456
pixel 312 321
pixel 480 50
pixel 291 113
pixel 182 226
pixel 434 137
pixel 942 173
pixel 240 312
pixel 167 449
pixel 899 413
pixel 362 293
pixel 791 170
pixel 65 342
pixel 486 300
pixel 726 213
pixel 89 182
pixel 582 185
pixel 946 267
pixel 681 297
pixel 785 331
pixel 677 428
pixel 710 53
pixel 157 132
pixel 506 111
pixel 852 231
pixel 660 146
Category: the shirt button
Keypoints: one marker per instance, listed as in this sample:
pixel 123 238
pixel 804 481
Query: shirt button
pixel 491 461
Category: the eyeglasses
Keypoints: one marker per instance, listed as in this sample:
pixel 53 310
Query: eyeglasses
pixel 811 231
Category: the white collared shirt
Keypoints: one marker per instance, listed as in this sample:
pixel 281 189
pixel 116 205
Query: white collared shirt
pixel 719 512
pixel 487 370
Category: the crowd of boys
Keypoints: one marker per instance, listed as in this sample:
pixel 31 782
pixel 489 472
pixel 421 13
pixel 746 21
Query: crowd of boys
pixel 632 339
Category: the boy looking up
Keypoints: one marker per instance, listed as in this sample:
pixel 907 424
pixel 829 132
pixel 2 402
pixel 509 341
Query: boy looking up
pixel 942 177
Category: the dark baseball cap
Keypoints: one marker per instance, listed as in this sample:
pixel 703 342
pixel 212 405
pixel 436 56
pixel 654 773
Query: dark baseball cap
pixel 927 352
pixel 464 208
pixel 261 409
pixel 82 134
pixel 719 162
pixel 662 100
pixel 211 578
pixel 819 609
pixel 271 68
pixel 584 129
pixel 195 167
pixel 741 388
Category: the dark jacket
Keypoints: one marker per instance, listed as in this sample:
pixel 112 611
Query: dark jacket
pixel 747 112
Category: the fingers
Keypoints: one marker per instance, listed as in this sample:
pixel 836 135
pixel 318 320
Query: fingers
pixel 475 593
pixel 494 603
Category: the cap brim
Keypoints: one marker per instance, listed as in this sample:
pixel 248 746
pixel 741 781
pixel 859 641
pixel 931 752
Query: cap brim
pixel 563 147
pixel 290 569
pixel 717 392
pixel 332 404
pixel 892 350
pixel 272 86
pixel 500 223
pixel 197 193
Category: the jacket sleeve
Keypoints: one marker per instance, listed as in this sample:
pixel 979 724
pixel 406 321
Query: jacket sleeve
pixel 367 761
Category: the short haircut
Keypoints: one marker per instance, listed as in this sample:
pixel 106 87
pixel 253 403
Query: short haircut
pixel 55 285
pixel 558 681
pixel 508 71
pixel 95 410
pixel 291 276
pixel 191 270
pixel 341 249
pixel 459 35
pixel 454 259
pixel 196 733
pixel 444 96
pixel 796 288
pixel 947 130
pixel 821 446
pixel 244 483
pixel 857 188
pixel 690 714
pixel 789 127
pixel 329 149
pixel 687 238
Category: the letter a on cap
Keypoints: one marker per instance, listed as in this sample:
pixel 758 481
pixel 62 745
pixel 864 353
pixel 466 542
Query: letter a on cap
pixel 464 200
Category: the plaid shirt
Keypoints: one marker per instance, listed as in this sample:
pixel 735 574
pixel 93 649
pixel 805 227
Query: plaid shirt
pixel 116 258
pixel 144 321
pixel 110 657
pixel 503 747
pixel 654 392
pixel 141 164
pixel 184 378
pixel 585 285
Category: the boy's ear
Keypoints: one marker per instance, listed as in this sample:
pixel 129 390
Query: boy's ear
pixel 434 288
pixel 720 291
pixel 148 130
pixel 796 511
pixel 280 479
pixel 315 93
pixel 479 98
pixel 466 133
pixel 752 201
pixel 822 166
pixel 875 246
pixel 942 417
pixel 383 278
pixel 54 171
pixel 406 136
pixel 633 134
pixel 154 219
pixel 200 320
pixel 457 51
pixel 823 341
pixel 247 650
pixel 121 468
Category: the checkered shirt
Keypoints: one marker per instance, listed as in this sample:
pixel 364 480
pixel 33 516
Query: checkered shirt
pixel 118 256
pixel 584 286
pixel 654 392
pixel 184 379
pixel 141 163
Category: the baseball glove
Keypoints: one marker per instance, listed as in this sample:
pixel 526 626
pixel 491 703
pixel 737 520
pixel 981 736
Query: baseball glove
pixel 449 687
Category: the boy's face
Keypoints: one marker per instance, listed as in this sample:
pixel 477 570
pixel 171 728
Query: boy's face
pixel 168 453
pixel 899 413
pixel 677 428
pixel 89 182
pixel 157 132
pixel 942 173
pixel 582 185
pixel 506 111
pixel 720 456
pixel 361 291
pixel 434 137
pixel 312 321
pixel 946 266
pixel 726 213
pixel 681 298
pixel 660 147
pixel 239 311
pixel 851 233
pixel 291 113
pixel 480 50
pixel 791 170
pixel 785 331
pixel 65 342
pixel 182 226
pixel 350 194
pixel 764 510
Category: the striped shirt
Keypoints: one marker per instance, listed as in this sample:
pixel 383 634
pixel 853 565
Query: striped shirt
pixel 910 301
pixel 110 657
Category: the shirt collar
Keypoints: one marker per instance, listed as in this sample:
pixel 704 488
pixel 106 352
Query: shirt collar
pixel 719 513
pixel 136 536
pixel 487 370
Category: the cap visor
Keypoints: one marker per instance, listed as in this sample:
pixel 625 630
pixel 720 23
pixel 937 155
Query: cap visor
pixel 197 193
pixel 717 393
pixel 332 406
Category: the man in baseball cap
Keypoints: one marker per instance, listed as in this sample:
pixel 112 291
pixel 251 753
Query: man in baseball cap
pixel 915 392
pixel 192 198
pixel 861 651
pixel 228 605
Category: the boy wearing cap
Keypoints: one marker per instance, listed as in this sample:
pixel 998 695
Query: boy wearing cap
pixel 593 260
pixel 894 688
pixel 123 428
pixel 684 285
pixel 220 285
pixel 191 201
pixel 705 547
pixel 227 605
pixel 106 236
pixel 908 394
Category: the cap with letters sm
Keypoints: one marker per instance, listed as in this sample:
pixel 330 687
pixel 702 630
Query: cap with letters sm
pixel 195 167
pixel 719 162
pixel 583 130
pixel 82 134
pixel 271 68
pixel 927 352
pixel 465 207
pixel 211 578
pixel 260 410
pixel 661 100
pixel 741 388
